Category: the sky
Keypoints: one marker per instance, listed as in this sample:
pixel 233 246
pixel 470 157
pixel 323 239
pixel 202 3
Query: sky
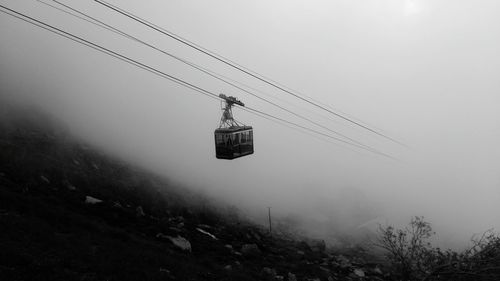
pixel 422 72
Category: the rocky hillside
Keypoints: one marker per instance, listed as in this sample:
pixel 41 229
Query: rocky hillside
pixel 68 212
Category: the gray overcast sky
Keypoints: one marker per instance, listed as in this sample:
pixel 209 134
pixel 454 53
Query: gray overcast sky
pixel 424 72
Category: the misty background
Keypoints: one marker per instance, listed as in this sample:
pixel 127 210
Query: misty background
pixel 423 72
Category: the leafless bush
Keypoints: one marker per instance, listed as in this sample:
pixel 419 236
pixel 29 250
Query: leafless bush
pixel 479 262
pixel 413 257
pixel 407 248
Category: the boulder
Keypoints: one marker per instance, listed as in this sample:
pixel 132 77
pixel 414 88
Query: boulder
pixel 268 273
pixel 175 229
pixel 250 250
pixel 69 186
pixel 343 262
pixel 139 212
pixel 162 236
pixel 255 235
pixel 164 270
pixel 45 179
pixel 207 233
pixel 92 200
pixel 325 271
pixel 292 277
pixel 181 243
pixel 377 270
pixel 359 272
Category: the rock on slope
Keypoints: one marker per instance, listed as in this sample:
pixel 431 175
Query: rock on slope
pixel 68 212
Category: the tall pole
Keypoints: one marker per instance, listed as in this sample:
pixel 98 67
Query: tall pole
pixel 269 214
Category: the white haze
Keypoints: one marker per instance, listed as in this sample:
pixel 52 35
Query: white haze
pixel 424 72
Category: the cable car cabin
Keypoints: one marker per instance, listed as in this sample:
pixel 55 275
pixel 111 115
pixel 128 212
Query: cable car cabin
pixel 233 142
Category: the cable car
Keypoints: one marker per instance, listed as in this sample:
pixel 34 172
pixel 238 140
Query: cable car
pixel 232 140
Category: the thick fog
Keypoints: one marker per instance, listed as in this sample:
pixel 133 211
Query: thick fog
pixel 423 72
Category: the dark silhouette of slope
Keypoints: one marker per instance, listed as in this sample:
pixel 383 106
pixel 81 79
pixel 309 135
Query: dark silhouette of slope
pixel 69 212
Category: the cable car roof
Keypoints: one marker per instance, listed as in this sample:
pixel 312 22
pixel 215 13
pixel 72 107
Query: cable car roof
pixel 233 129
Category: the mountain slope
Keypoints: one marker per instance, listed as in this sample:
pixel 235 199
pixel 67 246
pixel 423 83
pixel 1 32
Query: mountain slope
pixel 68 212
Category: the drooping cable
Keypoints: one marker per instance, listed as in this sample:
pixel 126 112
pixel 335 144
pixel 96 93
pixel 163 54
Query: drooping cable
pixel 212 74
pixel 241 68
pixel 160 73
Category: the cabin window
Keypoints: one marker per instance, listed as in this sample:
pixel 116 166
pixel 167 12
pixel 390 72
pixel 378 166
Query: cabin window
pixel 219 138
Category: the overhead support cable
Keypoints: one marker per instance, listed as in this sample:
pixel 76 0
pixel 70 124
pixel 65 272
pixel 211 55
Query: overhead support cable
pixel 240 68
pixel 162 74
pixel 212 74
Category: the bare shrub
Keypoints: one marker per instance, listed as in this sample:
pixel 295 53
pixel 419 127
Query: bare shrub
pixel 407 248
pixel 413 257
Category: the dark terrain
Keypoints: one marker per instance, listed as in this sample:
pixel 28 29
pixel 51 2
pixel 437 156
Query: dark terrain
pixel 69 212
